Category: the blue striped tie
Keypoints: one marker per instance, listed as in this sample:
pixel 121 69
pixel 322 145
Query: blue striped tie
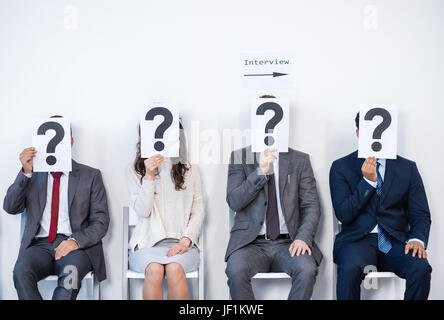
pixel 378 181
pixel 384 243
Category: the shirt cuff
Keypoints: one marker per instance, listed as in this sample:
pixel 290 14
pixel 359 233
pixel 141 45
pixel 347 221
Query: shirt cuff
pixel 192 242
pixel 416 239
pixel 372 183
pixel 71 238
pixel 260 173
pixel 27 175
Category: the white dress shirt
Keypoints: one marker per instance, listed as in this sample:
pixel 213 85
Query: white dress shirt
pixel 282 224
pixel 63 224
pixel 382 167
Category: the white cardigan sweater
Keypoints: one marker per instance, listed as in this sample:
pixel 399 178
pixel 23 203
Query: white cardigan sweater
pixel 163 211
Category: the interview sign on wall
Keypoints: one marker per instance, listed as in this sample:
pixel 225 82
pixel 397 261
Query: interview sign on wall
pixel 267 70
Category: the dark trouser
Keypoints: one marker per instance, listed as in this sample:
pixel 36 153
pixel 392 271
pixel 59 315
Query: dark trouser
pixel 38 261
pixel 270 256
pixel 355 256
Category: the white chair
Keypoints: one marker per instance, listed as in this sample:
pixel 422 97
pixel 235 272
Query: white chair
pixel 389 288
pixel 277 276
pixel 95 285
pixel 129 222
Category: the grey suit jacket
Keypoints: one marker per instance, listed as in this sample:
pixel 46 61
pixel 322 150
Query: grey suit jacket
pixel 87 203
pixel 247 194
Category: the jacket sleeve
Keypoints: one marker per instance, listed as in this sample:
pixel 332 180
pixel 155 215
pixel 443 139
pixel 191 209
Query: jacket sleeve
pixel 197 213
pixel 308 204
pixel 141 195
pixel 242 189
pixel 98 216
pixel 348 202
pixel 418 208
pixel 15 199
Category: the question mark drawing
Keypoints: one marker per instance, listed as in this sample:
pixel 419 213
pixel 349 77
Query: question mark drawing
pixel 52 144
pixel 377 133
pixel 166 123
pixel 272 123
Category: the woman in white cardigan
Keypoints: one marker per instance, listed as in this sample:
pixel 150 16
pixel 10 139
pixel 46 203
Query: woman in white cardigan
pixel 166 195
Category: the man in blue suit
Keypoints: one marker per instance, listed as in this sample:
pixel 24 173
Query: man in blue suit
pixel 382 206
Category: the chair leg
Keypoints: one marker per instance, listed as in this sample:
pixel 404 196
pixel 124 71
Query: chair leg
pixel 200 287
pixel 96 288
pixel 125 288
pixel 399 287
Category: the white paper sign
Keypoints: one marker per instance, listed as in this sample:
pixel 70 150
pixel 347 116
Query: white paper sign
pixel 262 70
pixel 52 140
pixel 159 130
pixel 378 132
pixel 270 125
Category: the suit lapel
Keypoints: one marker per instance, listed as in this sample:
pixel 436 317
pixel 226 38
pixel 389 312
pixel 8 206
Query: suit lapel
pixel 255 165
pixel 42 185
pixel 389 175
pixel 359 162
pixel 72 183
pixel 283 174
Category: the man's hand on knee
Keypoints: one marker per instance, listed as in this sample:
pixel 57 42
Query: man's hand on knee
pixel 299 247
pixel 64 248
pixel 417 248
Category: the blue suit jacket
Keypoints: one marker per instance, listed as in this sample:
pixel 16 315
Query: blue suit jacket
pixel 402 209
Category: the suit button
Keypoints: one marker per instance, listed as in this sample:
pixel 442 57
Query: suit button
pixel 265 203
pixel 261 223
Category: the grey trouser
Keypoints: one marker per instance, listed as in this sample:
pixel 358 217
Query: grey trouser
pixel 270 256
pixel 38 261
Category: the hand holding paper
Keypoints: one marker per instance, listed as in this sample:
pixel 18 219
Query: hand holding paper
pixel 26 158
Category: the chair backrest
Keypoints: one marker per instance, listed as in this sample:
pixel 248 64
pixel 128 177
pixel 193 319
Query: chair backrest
pixel 22 223
pixel 337 225
pixel 133 218
pixel 231 216
pixel 129 222
pixel 132 221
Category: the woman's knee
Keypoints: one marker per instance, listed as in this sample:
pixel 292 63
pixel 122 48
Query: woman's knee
pixel 174 271
pixel 154 271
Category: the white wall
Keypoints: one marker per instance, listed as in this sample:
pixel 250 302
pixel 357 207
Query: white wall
pixel 125 54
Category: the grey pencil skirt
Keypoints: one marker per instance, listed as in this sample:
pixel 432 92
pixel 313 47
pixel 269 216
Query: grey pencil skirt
pixel 140 259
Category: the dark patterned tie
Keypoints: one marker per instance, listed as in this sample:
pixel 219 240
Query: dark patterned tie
pixel 384 243
pixel 272 217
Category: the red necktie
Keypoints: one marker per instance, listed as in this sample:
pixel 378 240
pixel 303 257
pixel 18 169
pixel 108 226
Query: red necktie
pixel 54 206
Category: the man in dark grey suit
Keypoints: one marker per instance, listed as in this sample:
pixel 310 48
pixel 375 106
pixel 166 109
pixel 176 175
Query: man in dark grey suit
pixel 66 218
pixel 277 210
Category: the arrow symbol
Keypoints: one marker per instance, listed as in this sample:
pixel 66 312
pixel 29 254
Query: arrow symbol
pixel 274 74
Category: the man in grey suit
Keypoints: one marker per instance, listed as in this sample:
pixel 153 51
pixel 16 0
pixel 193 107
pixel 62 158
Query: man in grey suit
pixel 66 218
pixel 277 215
